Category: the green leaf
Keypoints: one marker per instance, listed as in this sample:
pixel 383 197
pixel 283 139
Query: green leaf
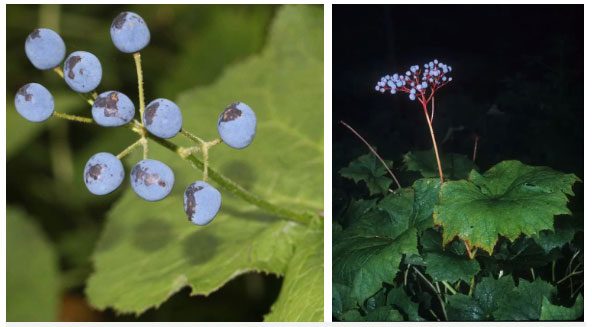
pixel 461 307
pixel 32 281
pixel 564 232
pixel 364 262
pixel 384 313
pixel 298 301
pixel 148 250
pixel 524 302
pixel 510 199
pixel 449 263
pixel 489 293
pixel 426 195
pixel 556 312
pixel 454 166
pixel 368 253
pixel 369 169
pixel 209 43
pixel 500 300
pixel 450 268
pixel 401 300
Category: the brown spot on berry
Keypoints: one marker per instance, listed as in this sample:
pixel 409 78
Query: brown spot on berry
pixel 119 20
pixel 94 172
pixel 70 64
pixel 191 204
pixel 109 103
pixel 141 174
pixel 150 112
pixel 231 113
pixel 35 34
pixel 23 92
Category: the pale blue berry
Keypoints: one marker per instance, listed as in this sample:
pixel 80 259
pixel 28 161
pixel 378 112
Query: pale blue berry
pixel 129 32
pixel 113 108
pixel 202 202
pixel 237 125
pixel 34 102
pixel 45 48
pixel 163 118
pixel 82 71
pixel 103 173
pixel 152 180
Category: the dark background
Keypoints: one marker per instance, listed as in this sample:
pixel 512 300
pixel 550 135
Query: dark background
pixel 525 61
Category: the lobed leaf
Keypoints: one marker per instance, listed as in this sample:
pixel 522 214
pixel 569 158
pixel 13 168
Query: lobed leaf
pixel 369 169
pixel 454 165
pixel 508 200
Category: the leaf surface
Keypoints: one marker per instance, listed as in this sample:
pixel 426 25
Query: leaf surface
pixel 557 312
pixel 369 169
pixel 508 200
pixel 454 165
pixel 31 271
pixel 148 251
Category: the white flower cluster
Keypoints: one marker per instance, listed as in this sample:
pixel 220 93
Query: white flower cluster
pixel 416 81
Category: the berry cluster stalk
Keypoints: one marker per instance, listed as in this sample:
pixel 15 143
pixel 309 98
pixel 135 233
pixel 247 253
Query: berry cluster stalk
pixel 138 61
pixel 429 121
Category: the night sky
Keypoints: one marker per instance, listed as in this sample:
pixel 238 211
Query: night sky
pixel 523 61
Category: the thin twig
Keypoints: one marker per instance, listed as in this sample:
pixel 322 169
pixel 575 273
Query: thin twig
pixel 373 151
pixel 438 294
pixel 569 276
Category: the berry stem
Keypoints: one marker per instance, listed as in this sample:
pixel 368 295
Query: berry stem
pixel 425 111
pixel 138 62
pixel 75 118
pixel 58 70
pixel 239 191
pixel 192 136
pixel 223 181
pixel 88 98
pixel 130 148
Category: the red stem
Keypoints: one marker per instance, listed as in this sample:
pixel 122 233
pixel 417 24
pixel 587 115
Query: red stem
pixel 425 111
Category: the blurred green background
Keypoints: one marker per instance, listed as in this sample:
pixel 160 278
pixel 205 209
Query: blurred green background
pixel 58 220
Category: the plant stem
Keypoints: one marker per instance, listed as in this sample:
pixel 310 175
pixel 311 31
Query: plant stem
pixel 573 273
pixel 78 119
pixel 59 71
pixel 429 121
pixel 373 151
pixel 138 62
pixel 438 294
pixel 130 148
pixel 234 188
pixel 553 270
pixel 532 273
pixel 472 285
pixel 450 288
pixel 191 136
pixel 224 182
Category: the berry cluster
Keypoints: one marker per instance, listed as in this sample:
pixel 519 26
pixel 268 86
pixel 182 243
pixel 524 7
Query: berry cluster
pixel 416 81
pixel 150 179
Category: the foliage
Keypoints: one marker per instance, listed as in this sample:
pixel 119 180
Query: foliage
pixel 34 280
pixel 147 252
pixel 155 238
pixel 412 254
